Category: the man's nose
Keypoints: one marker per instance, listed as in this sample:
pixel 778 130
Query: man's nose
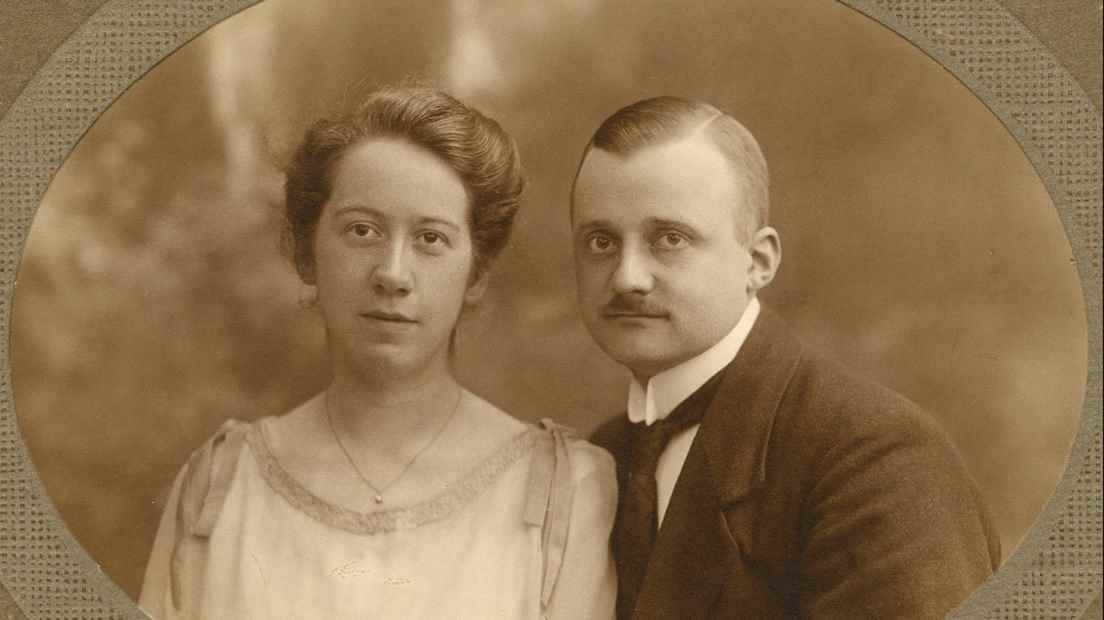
pixel 633 274
pixel 392 275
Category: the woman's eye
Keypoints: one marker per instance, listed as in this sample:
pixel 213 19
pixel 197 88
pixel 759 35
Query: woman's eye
pixel 433 239
pixel 671 241
pixel 364 231
pixel 600 244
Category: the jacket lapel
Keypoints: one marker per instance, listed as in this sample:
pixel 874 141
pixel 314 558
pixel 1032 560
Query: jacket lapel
pixel 736 431
pixel 695 550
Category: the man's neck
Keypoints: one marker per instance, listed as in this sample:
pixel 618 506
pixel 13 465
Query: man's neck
pixel 652 397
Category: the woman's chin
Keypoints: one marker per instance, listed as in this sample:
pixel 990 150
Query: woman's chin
pixel 390 360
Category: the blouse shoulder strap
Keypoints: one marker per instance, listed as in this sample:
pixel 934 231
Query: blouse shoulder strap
pixel 210 472
pixel 551 491
pixel 206 480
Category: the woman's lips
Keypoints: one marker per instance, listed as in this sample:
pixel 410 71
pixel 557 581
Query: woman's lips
pixel 389 317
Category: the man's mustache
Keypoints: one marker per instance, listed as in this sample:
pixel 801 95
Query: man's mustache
pixel 632 305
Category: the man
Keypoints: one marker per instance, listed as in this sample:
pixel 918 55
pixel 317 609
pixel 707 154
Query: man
pixel 757 479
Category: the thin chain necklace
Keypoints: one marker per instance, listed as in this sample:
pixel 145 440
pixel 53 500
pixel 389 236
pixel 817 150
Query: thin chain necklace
pixel 379 490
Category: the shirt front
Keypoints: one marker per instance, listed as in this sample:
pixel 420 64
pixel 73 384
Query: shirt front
pixel 666 390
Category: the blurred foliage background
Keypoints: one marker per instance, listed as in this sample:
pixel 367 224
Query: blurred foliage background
pixel 920 247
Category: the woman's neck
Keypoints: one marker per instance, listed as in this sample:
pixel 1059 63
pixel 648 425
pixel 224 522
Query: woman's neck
pixel 391 410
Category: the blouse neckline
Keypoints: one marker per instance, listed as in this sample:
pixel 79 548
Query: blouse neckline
pixel 435 508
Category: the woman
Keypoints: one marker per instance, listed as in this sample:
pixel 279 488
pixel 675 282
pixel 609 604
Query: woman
pixel 395 493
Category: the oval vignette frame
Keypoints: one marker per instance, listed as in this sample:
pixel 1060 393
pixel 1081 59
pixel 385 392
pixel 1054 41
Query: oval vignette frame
pixel 1055 572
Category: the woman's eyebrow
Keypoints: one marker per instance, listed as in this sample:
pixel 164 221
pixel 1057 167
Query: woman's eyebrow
pixel 421 221
pixel 592 225
pixel 359 208
pixel 440 222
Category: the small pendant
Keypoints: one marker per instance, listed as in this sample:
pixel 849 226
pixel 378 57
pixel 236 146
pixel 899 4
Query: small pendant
pixel 379 499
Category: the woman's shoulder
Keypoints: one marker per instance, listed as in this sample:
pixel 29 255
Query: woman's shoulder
pixel 488 419
pixel 565 448
pixel 211 467
pixel 202 482
pixel 585 458
pixel 557 446
pixel 224 443
pixel 291 428
pixel 214 461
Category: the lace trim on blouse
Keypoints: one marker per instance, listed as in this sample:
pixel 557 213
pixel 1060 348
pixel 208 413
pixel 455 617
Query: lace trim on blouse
pixel 436 508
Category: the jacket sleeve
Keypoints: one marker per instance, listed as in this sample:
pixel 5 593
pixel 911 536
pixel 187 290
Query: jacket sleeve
pixel 894 526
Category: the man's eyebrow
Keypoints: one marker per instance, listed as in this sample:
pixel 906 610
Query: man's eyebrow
pixel 662 221
pixel 659 222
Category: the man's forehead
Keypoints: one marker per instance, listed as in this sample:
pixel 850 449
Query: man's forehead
pixel 602 173
pixel 666 175
pixel 672 148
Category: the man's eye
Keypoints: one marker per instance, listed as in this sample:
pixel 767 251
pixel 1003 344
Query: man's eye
pixel 671 241
pixel 600 244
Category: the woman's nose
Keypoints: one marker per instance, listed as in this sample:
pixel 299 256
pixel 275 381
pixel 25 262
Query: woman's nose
pixel 392 275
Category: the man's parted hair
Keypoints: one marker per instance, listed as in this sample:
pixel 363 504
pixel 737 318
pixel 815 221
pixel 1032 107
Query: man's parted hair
pixel 660 120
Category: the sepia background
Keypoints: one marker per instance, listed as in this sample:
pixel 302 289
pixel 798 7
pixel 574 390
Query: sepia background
pixel 920 247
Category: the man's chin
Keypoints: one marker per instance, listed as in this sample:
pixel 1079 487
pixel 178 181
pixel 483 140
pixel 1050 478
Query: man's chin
pixel 640 358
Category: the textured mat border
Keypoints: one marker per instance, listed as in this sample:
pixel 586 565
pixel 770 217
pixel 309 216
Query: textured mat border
pixel 1054 574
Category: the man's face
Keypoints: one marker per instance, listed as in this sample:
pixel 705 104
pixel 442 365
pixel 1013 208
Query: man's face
pixel 662 274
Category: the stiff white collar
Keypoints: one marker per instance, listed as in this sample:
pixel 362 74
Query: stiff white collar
pixel 666 390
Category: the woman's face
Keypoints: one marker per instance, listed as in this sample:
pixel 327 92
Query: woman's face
pixel 393 257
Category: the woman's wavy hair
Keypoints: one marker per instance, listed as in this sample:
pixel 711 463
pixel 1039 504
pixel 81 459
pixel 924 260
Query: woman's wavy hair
pixel 476 147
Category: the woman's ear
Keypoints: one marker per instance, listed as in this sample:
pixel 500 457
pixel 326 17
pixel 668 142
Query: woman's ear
pixel 308 284
pixel 476 289
pixel 766 257
pixel 308 296
pixel 304 264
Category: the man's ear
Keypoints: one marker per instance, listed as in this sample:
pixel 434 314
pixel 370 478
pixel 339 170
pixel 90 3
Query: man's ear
pixel 766 256
pixel 476 289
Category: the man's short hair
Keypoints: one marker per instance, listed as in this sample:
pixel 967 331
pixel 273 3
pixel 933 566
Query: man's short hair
pixel 667 119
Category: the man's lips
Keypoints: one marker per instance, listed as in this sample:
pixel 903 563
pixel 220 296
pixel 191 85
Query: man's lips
pixel 631 307
pixel 619 314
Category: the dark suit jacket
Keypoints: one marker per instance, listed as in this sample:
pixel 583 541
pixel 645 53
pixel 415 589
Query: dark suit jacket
pixel 810 493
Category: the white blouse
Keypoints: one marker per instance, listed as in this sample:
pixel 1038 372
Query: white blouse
pixel 240 538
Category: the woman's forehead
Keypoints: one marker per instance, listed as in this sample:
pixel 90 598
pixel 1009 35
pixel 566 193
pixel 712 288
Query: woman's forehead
pixel 395 177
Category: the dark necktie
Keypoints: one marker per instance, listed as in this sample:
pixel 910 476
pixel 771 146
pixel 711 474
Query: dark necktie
pixel 637 519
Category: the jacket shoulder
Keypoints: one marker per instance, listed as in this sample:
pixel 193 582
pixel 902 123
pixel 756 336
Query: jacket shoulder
pixel 613 435
pixel 835 402
pixel 880 478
